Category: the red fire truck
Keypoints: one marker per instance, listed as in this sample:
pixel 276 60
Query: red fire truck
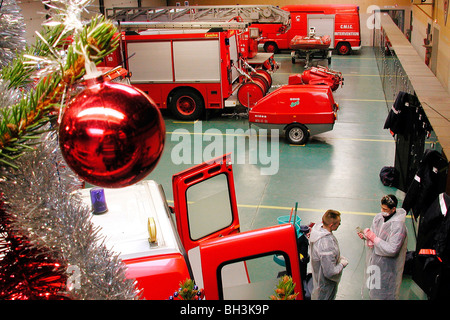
pixel 206 245
pixel 190 70
pixel 340 22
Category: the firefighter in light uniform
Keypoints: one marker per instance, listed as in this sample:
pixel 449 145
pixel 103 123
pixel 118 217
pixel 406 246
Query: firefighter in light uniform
pixel 387 244
pixel 326 261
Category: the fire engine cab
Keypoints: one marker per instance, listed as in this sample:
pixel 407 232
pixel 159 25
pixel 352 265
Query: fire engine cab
pixel 340 22
pixel 205 245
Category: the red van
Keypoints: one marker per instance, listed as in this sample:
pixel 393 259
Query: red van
pixel 339 21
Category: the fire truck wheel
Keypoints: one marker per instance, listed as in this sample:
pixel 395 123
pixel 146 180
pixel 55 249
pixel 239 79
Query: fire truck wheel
pixel 271 47
pixel 343 48
pixel 186 104
pixel 297 133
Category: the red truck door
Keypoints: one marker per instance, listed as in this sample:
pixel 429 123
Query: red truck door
pixel 298 26
pixel 226 263
pixel 255 250
pixel 205 202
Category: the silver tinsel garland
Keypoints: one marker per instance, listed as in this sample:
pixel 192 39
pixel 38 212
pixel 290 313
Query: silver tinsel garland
pixel 43 197
pixel 12 30
pixel 8 97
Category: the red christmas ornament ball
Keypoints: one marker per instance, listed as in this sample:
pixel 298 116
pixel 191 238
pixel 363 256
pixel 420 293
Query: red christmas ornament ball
pixel 111 134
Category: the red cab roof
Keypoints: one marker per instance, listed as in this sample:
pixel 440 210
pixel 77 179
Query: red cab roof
pixel 321 7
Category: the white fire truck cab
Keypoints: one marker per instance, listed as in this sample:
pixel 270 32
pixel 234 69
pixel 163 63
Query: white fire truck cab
pixel 205 245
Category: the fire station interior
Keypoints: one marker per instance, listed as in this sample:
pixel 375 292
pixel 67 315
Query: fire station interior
pixel 338 169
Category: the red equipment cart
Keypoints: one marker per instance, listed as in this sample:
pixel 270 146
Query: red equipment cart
pixel 298 110
pixel 318 75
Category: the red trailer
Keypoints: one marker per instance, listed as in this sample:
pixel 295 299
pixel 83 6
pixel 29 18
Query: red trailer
pixel 297 110
pixel 340 22
pixel 310 46
pixel 206 244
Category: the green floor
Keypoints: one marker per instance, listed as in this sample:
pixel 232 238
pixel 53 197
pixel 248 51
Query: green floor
pixel 334 170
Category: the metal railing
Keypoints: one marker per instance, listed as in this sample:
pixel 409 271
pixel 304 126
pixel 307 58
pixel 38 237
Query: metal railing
pixel 393 77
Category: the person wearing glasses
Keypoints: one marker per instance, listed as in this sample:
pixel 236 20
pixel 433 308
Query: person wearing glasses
pixel 386 240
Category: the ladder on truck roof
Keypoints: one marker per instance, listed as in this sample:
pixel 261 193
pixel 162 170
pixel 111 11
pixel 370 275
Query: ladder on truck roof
pixel 232 25
pixel 247 13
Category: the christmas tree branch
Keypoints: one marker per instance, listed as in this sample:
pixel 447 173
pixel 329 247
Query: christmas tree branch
pixel 20 124
pixel 49 247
